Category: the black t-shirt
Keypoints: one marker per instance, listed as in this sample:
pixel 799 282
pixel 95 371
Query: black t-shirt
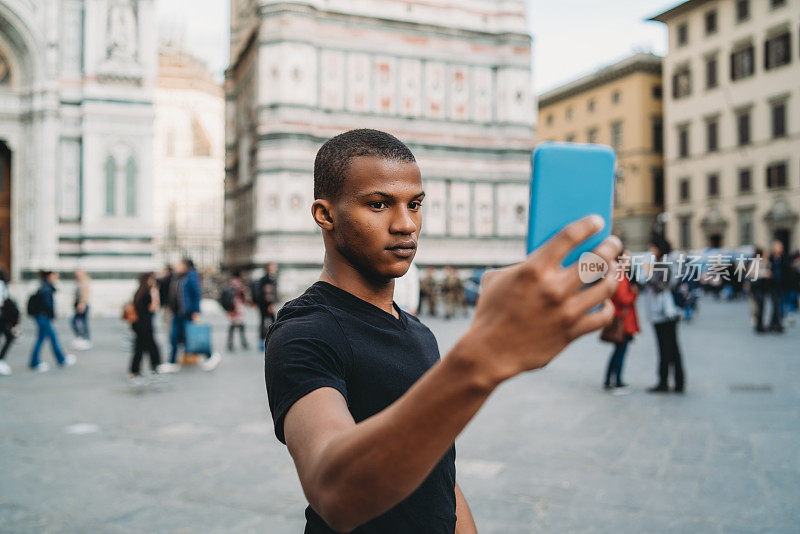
pixel 330 338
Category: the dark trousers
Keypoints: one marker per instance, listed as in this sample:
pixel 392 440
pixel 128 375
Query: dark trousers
pixel 144 342
pixel 615 362
pixel 758 298
pixel 669 355
pixel 267 318
pixel 80 324
pixel 6 331
pixel 776 297
pixel 231 329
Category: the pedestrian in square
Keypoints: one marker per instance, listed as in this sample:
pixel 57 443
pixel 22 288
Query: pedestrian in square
pixel 185 305
pixel 664 315
pixel 234 300
pixel 146 302
pixel 42 307
pixel 265 296
pixel 779 284
pixel 9 317
pixel 80 317
pixel 429 291
pixel 624 301
pixel 356 388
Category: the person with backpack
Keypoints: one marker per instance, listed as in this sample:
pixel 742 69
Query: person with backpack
pixel 146 302
pixel 41 306
pixel 233 300
pixel 9 318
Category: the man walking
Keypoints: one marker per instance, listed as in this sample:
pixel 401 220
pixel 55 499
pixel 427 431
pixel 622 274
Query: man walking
pixel 265 295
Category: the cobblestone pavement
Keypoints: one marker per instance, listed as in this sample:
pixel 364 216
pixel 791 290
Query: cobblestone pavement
pixel 81 451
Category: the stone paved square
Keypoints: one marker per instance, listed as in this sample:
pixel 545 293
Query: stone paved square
pixel 81 451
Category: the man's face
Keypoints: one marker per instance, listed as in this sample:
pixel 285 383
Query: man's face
pixel 777 248
pixel 378 216
pixel 179 267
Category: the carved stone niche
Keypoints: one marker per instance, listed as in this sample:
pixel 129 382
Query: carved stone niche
pixel 713 223
pixel 780 215
pixel 120 52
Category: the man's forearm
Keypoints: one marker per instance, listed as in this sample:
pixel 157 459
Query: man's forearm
pixel 368 469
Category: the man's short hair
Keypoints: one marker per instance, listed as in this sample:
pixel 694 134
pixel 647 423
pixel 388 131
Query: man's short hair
pixel 333 159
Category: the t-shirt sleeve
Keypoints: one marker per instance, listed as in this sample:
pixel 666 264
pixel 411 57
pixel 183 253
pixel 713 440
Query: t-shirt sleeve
pixel 304 353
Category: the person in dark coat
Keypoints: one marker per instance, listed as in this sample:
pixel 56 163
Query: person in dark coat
pixel 779 285
pixel 44 315
pixel 146 301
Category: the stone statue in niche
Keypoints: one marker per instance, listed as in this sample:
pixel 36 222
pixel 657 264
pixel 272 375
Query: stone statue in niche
pixel 121 31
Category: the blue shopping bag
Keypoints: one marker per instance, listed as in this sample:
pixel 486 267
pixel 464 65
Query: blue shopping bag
pixel 198 338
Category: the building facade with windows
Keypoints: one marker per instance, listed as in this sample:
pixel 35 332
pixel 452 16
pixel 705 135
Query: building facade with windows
pixel 732 123
pixel 621 106
pixel 452 80
pixel 189 161
pixel 76 131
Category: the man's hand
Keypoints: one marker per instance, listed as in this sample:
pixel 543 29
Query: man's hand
pixel 529 312
pixel 195 317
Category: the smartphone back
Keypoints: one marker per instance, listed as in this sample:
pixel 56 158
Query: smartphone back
pixel 570 181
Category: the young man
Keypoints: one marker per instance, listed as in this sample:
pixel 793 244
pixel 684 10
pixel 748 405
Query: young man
pixel 357 391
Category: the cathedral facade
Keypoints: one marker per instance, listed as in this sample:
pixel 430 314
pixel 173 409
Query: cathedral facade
pixel 77 80
pixel 450 79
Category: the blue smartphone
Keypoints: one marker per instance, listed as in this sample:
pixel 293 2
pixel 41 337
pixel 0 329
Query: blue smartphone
pixel 568 182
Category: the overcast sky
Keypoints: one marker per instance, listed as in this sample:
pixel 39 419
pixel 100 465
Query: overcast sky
pixel 570 37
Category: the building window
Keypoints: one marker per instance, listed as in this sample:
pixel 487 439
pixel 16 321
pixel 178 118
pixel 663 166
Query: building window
pixel 742 10
pixel 591 105
pixel 745 227
pixel 776 175
pixel 111 185
pixel 712 129
pixel 712 183
pixel 570 138
pixel 683 34
pixel 615 97
pixel 658 186
pixel 591 135
pixel 685 233
pixel 743 63
pixel 743 127
pixel 711 22
pixel 776 3
pixel 683 189
pixel 777 51
pixel 616 135
pixel 681 82
pixel 778 113
pixel 130 187
pixel 658 135
pixel 569 113
pixel 683 142
pixel 745 181
pixel 658 93
pixel 711 72
pixel 549 119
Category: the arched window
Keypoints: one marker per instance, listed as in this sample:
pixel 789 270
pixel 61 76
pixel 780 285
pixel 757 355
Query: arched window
pixel 130 187
pixel 5 71
pixel 111 185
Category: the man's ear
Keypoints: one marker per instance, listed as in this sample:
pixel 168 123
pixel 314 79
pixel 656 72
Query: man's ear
pixel 322 212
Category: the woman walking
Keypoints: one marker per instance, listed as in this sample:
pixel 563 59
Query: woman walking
pixel 664 315
pixel 42 307
pixel 146 301
pixel 624 300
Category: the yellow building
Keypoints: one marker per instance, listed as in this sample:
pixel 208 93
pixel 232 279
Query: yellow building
pixel 620 106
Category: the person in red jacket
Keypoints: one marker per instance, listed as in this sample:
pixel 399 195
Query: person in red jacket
pixel 624 301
